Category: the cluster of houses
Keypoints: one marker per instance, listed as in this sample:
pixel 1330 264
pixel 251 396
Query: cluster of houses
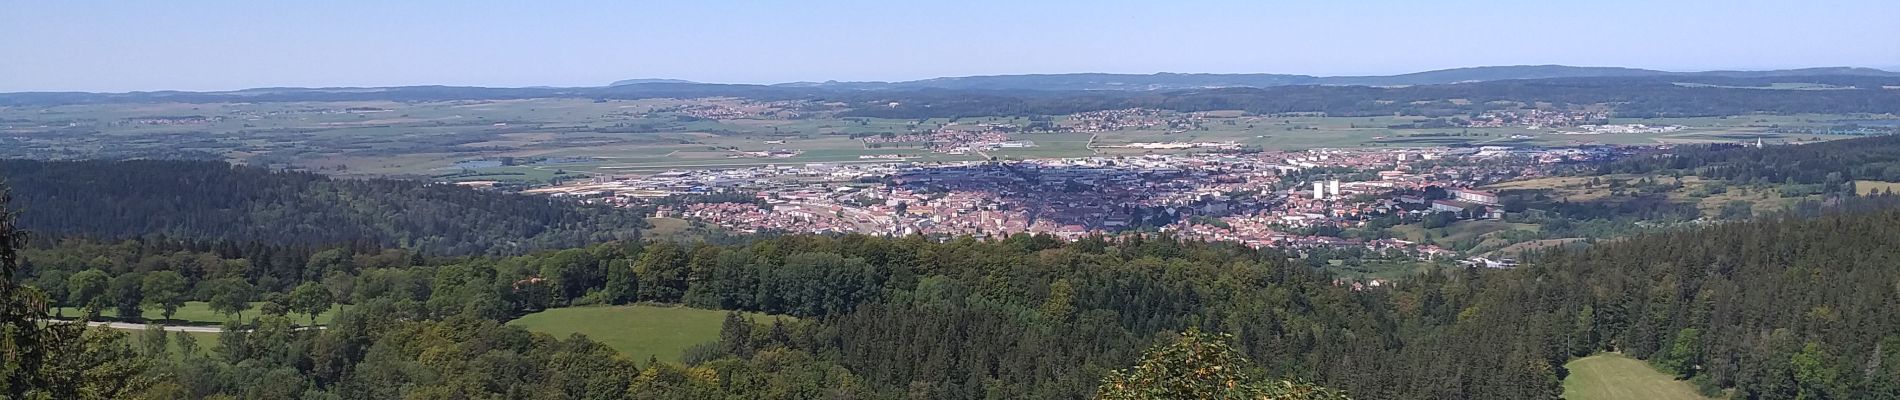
pixel 1263 199
pixel 1536 119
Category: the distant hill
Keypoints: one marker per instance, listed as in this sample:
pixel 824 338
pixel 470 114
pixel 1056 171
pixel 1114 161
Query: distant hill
pixel 1480 74
pixel 1079 81
pixel 1557 83
pixel 1173 81
pixel 1824 71
pixel 647 80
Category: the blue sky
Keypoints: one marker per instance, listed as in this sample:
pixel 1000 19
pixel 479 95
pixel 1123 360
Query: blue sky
pixel 220 45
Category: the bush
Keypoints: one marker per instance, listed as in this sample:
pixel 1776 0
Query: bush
pixel 701 353
pixel 597 297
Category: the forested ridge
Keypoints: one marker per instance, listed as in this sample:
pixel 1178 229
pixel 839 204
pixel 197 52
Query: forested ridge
pixel 1833 163
pixel 211 200
pixel 1783 307
pixel 1627 97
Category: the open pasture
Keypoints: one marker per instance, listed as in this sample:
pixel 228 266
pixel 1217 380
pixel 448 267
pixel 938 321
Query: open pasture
pixel 1612 376
pixel 637 331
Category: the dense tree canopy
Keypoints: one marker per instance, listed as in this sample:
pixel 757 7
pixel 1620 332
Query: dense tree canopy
pixel 1733 305
pixel 1627 97
pixel 208 200
pixel 1830 166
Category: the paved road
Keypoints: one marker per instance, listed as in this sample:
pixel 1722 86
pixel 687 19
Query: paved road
pixel 167 328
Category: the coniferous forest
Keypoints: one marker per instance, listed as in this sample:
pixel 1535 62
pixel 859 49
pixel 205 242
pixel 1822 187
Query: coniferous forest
pixel 212 200
pixel 1833 164
pixel 1783 307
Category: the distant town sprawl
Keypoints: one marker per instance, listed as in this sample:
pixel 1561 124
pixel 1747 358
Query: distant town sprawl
pixel 1261 199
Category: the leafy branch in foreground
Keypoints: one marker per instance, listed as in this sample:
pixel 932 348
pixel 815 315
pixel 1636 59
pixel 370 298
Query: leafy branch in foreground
pixel 52 360
pixel 1201 366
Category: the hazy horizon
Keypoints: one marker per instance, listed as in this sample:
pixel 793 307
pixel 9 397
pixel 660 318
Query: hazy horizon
pixel 217 45
pixel 607 83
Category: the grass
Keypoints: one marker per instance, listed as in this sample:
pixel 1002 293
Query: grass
pixel 199 313
pixel 1611 376
pixel 638 331
pixel 206 340
pixel 1458 231
pixel 678 230
pixel 1576 189
pixel 1568 188
pixel 510 173
pixel 1518 249
pixel 666 227
pixel 1381 269
pixel 1869 187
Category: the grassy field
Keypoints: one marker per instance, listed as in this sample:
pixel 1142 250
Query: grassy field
pixel 199 313
pixel 1517 249
pixel 206 340
pixel 1612 376
pixel 1772 86
pixel 1694 190
pixel 1458 231
pixel 639 331
pixel 679 230
pixel 1388 270
pixel 1870 187
pixel 1295 133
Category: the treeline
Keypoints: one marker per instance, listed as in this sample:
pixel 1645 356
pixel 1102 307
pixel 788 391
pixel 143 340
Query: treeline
pixel 210 200
pixel 83 274
pixel 684 200
pixel 1830 165
pixel 407 309
pixel 1788 307
pixel 1629 97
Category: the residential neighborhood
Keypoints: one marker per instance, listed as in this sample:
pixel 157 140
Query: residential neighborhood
pixel 1268 199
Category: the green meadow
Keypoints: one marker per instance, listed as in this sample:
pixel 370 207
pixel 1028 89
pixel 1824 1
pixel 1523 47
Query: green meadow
pixel 1611 376
pixel 638 331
